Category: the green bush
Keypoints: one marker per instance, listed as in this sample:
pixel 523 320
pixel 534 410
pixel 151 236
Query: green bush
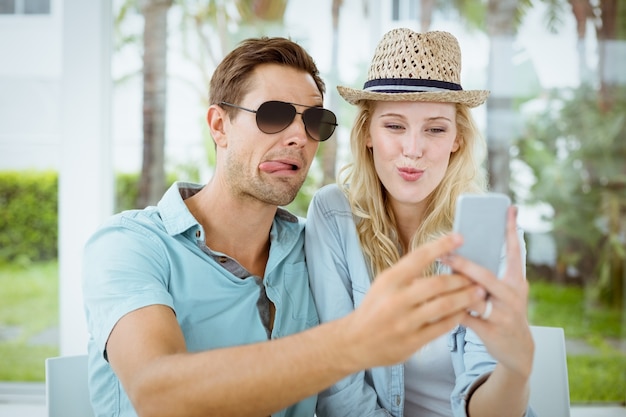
pixel 28 216
pixel 126 191
pixel 29 212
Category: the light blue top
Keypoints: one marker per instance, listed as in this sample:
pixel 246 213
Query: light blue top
pixel 158 256
pixel 340 278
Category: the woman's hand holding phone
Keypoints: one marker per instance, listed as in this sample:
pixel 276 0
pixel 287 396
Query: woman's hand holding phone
pixel 505 332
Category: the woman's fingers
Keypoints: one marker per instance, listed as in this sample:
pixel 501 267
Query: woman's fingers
pixel 514 267
pixel 514 275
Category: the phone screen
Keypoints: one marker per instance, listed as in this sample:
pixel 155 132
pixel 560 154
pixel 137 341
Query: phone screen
pixel 481 220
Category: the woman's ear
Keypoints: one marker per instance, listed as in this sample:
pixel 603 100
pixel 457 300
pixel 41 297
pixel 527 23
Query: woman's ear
pixel 217 119
pixel 457 144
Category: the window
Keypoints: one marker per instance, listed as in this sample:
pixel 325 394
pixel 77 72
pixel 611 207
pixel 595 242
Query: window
pixel 404 10
pixel 24 7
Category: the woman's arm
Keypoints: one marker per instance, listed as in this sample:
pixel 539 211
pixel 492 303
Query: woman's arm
pixel 505 333
pixel 334 255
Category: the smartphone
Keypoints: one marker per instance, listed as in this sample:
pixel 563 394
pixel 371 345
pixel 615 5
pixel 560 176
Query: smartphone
pixel 481 220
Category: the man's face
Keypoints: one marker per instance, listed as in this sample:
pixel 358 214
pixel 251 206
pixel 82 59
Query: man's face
pixel 269 168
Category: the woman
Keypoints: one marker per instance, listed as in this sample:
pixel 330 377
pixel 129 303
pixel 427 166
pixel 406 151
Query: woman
pixel 416 149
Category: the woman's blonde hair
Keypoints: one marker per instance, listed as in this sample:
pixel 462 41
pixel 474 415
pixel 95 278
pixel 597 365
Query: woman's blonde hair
pixel 376 225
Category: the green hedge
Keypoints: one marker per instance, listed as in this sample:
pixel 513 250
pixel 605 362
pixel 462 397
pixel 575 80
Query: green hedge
pixel 29 212
pixel 126 191
pixel 28 216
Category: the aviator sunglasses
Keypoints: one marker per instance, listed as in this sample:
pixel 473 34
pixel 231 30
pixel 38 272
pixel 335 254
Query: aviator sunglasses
pixel 276 116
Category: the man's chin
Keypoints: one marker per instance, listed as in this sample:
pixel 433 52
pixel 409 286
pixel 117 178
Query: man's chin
pixel 278 193
pixel 284 200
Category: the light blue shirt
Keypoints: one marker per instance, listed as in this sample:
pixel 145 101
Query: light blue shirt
pixel 158 256
pixel 340 278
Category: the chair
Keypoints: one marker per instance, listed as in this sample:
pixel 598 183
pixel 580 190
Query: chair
pixel 549 387
pixel 67 393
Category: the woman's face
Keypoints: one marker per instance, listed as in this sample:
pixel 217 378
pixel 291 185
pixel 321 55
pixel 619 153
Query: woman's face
pixel 411 144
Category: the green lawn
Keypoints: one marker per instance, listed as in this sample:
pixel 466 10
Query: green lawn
pixel 29 306
pixel 600 377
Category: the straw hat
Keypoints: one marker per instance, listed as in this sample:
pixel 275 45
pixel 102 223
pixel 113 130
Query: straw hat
pixel 411 66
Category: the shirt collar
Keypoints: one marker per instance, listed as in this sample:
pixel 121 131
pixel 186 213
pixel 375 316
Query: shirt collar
pixel 177 218
pixel 174 212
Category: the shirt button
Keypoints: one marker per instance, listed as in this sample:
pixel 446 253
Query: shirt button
pixel 223 259
pixel 397 400
pixel 198 233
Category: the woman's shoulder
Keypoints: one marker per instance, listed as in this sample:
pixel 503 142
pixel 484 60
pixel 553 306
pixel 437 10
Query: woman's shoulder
pixel 331 197
pixel 330 191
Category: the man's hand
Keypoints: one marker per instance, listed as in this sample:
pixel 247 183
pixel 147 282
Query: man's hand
pixel 404 310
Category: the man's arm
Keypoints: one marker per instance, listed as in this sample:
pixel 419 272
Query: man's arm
pixel 402 312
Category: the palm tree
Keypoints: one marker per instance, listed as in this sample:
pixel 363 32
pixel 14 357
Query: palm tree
pixel 502 16
pixel 608 18
pixel 328 151
pixel 152 180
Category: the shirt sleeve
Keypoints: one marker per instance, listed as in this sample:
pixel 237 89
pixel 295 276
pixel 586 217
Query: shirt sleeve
pixel 125 268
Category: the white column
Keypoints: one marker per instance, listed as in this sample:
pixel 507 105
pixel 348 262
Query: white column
pixel 86 174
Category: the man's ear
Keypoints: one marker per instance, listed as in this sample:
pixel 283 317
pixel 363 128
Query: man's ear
pixel 217 119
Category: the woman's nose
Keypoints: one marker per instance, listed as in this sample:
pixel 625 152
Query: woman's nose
pixel 413 146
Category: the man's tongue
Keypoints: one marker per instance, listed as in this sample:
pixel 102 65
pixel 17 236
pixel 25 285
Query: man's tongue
pixel 274 166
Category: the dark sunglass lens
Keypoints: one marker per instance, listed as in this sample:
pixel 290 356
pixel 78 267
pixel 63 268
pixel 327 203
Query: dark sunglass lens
pixel 274 116
pixel 320 123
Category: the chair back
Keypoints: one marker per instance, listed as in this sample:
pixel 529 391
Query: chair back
pixel 549 387
pixel 67 393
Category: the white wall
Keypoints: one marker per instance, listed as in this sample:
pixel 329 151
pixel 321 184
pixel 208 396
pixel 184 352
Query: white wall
pixel 30 51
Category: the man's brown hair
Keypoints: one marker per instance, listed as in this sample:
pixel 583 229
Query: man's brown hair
pixel 230 81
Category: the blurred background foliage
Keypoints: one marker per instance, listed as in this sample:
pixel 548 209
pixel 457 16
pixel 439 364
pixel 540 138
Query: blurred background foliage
pixel 576 150
pixel 574 147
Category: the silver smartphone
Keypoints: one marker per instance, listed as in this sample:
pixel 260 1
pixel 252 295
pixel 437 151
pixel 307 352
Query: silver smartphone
pixel 481 220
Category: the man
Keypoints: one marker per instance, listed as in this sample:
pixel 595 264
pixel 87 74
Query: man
pixel 200 306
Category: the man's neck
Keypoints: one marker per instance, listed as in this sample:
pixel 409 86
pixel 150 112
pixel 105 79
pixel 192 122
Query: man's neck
pixel 238 228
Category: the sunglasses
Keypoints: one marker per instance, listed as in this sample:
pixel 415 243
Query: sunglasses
pixel 276 116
